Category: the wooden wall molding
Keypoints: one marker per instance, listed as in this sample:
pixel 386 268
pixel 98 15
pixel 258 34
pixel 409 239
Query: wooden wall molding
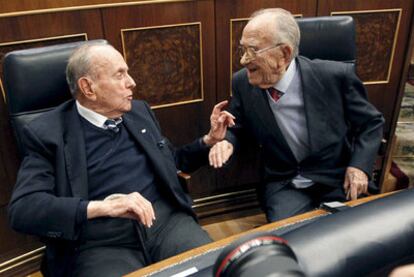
pixel 88 7
pixel 2 91
pixel 236 30
pixel 28 259
pixel 2 44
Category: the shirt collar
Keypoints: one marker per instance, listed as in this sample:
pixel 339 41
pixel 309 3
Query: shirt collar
pixel 287 78
pixel 93 117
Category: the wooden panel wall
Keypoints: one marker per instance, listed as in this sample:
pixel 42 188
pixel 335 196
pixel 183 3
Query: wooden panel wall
pixel 180 54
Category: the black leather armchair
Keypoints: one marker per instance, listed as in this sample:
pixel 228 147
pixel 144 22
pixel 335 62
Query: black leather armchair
pixel 328 38
pixel 332 38
pixel 35 82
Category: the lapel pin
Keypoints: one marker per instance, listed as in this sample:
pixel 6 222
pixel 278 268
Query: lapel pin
pixel 143 131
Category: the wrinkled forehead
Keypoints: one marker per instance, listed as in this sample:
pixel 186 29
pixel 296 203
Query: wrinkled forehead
pixel 106 59
pixel 259 29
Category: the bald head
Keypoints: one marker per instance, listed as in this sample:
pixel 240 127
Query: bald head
pixel 277 25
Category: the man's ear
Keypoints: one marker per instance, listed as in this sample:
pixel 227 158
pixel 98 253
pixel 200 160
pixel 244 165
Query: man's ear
pixel 85 87
pixel 287 53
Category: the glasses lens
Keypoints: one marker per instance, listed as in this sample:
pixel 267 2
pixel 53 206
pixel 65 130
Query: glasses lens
pixel 246 50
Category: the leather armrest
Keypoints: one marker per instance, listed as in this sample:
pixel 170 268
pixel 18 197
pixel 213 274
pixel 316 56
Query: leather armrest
pixel 184 179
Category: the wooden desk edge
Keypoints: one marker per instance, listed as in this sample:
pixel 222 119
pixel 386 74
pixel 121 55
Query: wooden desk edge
pixel 223 242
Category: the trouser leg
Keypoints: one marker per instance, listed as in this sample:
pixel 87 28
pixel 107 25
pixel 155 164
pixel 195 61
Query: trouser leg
pixel 178 232
pixel 108 261
pixel 281 200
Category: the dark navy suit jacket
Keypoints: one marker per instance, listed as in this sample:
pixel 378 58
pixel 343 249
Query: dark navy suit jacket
pixel 344 128
pixel 52 179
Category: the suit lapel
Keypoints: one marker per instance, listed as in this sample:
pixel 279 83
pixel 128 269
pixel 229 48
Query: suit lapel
pixel 264 112
pixel 143 134
pixel 75 156
pixel 316 105
pixel 261 104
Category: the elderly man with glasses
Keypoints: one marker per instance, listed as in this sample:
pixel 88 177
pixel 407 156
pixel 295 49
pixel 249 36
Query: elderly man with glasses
pixel 317 133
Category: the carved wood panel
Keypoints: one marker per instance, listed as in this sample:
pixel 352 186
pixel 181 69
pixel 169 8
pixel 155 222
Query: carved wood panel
pixel 236 30
pixel 376 35
pixel 166 63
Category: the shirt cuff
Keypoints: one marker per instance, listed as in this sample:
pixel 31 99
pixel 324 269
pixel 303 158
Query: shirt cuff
pixel 82 215
pixel 202 144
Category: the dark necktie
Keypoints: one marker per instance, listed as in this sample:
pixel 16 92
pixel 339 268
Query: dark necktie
pixel 113 124
pixel 275 94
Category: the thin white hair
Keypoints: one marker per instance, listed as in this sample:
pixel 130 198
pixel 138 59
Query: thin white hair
pixel 286 29
pixel 79 65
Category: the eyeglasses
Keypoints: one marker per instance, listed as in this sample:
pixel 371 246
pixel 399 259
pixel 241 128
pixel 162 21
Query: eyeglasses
pixel 252 53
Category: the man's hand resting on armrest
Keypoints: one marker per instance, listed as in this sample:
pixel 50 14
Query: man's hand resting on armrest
pixel 133 206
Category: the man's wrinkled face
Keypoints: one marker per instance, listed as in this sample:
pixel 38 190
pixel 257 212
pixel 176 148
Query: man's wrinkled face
pixel 111 83
pixel 267 67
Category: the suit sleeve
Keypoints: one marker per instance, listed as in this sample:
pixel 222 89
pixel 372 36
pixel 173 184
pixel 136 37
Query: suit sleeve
pixel 189 157
pixel 366 123
pixel 34 207
pixel 236 108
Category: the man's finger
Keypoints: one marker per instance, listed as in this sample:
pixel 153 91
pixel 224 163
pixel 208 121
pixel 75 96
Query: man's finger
pixel 229 121
pixel 210 157
pixel 213 156
pixel 227 151
pixel 140 212
pixel 219 106
pixel 148 213
pixel 365 190
pixel 218 156
pixel 149 207
pixel 359 187
pixel 228 114
pixel 145 208
pixel 227 154
pixel 354 192
pixel 134 208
